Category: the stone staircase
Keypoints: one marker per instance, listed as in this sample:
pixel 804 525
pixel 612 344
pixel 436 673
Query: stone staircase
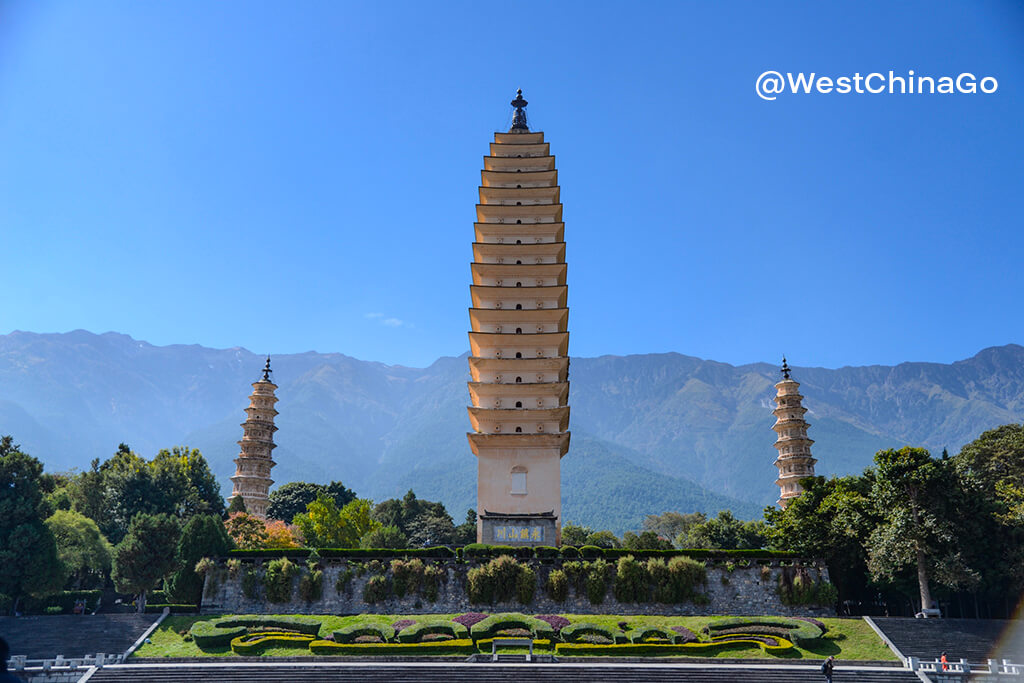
pixel 43 637
pixel 245 672
pixel 972 639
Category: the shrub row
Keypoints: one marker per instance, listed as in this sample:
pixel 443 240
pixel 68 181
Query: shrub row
pixel 65 600
pixel 175 608
pixel 438 552
pixel 693 649
pixel 489 627
pixel 222 631
pixel 483 551
pixel 574 632
pixel 499 580
pixel 255 645
pixel 797 630
pixel 349 633
pixel 416 632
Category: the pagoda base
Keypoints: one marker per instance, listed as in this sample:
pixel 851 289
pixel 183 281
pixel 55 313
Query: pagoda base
pixel 526 529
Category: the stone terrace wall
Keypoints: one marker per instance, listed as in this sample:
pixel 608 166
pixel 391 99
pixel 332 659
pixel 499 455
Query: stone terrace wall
pixel 747 590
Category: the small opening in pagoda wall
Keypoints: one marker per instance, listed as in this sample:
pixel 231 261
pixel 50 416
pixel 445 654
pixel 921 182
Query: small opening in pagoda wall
pixel 519 380
pixel 519 284
pixel 519 430
pixel 519 354
pixel 519 241
pixel 519 404
pixel 519 330
pixel 518 483
pixel 519 307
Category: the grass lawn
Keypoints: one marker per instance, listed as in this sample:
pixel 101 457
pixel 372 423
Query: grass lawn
pixel 847 639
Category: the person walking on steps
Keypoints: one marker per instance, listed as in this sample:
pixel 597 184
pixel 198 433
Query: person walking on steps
pixel 945 662
pixel 826 668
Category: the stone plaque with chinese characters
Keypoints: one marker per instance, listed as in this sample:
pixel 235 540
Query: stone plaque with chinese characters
pixel 513 533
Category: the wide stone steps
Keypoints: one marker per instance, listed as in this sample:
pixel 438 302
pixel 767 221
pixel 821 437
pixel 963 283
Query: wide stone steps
pixel 972 639
pixel 43 637
pixel 520 673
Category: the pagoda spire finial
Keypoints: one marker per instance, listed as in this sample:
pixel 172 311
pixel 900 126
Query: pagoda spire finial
pixel 519 119
pixel 785 368
pixel 267 370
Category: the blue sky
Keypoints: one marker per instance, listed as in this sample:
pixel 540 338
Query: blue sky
pixel 302 176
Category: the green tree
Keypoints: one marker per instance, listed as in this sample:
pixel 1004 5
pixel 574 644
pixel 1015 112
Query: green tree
pixel 916 496
pixel 465 533
pixel 291 499
pixel 385 537
pixel 82 549
pixel 832 519
pixel 28 551
pixel 996 461
pixel 725 532
pixel 188 485
pixel 247 531
pixel 237 504
pixel 603 539
pixel 575 535
pixel 203 536
pixel 672 525
pixel 323 525
pixel 146 555
pixel 645 540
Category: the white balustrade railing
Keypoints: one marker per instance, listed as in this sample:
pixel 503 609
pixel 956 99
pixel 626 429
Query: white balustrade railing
pixel 960 669
pixel 59 663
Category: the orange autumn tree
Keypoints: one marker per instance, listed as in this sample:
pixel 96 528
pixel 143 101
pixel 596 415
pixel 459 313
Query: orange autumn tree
pixel 281 535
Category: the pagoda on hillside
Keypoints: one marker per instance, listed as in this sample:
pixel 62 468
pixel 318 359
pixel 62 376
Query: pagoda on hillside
pixel 519 357
pixel 252 475
pixel 794 461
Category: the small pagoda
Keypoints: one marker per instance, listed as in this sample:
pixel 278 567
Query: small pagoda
pixel 252 474
pixel 519 341
pixel 794 460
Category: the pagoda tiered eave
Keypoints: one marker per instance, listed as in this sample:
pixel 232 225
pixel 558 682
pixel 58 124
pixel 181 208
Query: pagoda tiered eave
pixel 489 274
pixel 527 316
pixel 522 150
pixel 486 252
pixel 526 164
pixel 518 416
pixel 519 138
pixel 508 214
pixel 510 178
pixel 478 441
pixel 508 196
pixel 528 233
pixel 527 369
pixel 481 393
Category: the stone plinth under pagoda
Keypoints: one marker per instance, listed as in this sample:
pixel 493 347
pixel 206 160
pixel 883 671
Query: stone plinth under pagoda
pixel 519 342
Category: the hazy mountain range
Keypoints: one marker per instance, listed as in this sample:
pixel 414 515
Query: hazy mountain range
pixel 651 432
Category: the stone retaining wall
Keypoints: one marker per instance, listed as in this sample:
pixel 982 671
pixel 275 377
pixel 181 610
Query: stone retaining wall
pixel 730 589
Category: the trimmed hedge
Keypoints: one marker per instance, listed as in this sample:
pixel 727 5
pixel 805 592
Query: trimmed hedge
pixel 482 551
pixel 484 644
pixel 65 600
pixel 657 649
pixel 437 552
pixel 349 634
pixel 176 608
pixel 795 630
pixel 573 632
pixel 489 627
pixel 222 631
pixel 416 632
pixel 257 643
pixel 444 647
pixel 640 633
pixel 485 551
